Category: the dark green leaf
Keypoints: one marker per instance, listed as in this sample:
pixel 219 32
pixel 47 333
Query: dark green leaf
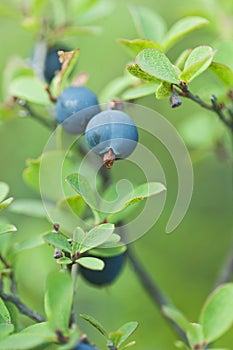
pixel 14 314
pixel 58 300
pixel 163 90
pixel 197 62
pixel 176 316
pixel 95 323
pixel 30 89
pixel 58 240
pixel 148 23
pixel 195 334
pixel 91 263
pixel 139 91
pixel 156 63
pixel 6 203
pixel 217 316
pixel 30 207
pixel 223 72
pixel 96 236
pixel 137 72
pixel 181 28
pixel 137 45
pixel 5 228
pixel 127 330
pixel 5 330
pixel 4 190
pixel 4 313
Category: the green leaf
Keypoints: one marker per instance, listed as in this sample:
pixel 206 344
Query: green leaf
pixel 29 243
pixel 31 173
pixel 137 72
pixel 223 72
pixel 140 193
pixel 95 237
pixel 30 89
pixel 30 207
pixel 78 237
pixel 108 252
pixel 4 190
pixel 5 330
pixel 137 45
pixel 22 341
pixel 181 28
pixel 14 314
pixel 180 62
pixel 132 343
pixel 127 330
pixel 195 334
pixel 197 62
pixel 91 263
pixel 6 203
pixel 148 23
pixel 216 315
pixel 4 313
pixel 163 90
pixel 76 203
pixel 176 316
pixel 40 328
pixel 58 301
pixel 181 345
pixel 68 60
pixel 95 323
pixel 112 241
pixel 5 228
pixel 139 91
pixel 64 261
pixel 156 63
pixel 58 240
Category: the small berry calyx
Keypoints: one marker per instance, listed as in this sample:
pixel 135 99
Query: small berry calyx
pixel 75 107
pixel 112 135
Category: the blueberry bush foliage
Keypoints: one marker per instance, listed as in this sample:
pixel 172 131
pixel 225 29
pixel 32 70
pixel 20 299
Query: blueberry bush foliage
pixel 49 87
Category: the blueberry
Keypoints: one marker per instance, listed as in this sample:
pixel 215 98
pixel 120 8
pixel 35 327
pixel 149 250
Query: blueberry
pixel 52 63
pixel 84 345
pixel 111 270
pixel 111 134
pixel 75 107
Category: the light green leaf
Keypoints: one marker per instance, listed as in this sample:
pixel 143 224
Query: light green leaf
pixel 91 263
pixel 40 328
pixel 6 203
pixel 180 62
pixel 176 316
pixel 58 301
pixel 30 89
pixel 96 236
pixel 181 345
pixel 30 207
pixel 217 316
pixel 137 72
pixel 139 91
pixel 127 330
pixel 148 23
pixel 137 45
pixel 31 173
pixel 64 261
pixel 223 72
pixel 95 323
pixel 163 90
pixel 23 341
pixel 4 190
pixel 140 193
pixel 14 314
pixel 76 203
pixel 112 241
pixel 4 313
pixel 108 252
pixel 78 236
pixel 5 330
pixel 5 228
pixel 58 240
pixel 181 28
pixel 156 63
pixel 197 62
pixel 29 243
pixel 132 343
pixel 195 334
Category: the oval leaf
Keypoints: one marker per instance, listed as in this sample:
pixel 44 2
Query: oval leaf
pixel 217 316
pixel 181 28
pixel 4 313
pixel 137 72
pixel 96 236
pixel 91 263
pixel 108 252
pixel 58 301
pixel 58 240
pixel 5 228
pixel 139 91
pixel 127 329
pixel 197 62
pixel 137 45
pixel 176 316
pixel 30 207
pixel 163 90
pixel 4 190
pixel 95 323
pixel 156 63
pixel 5 330
pixel 223 72
pixel 195 334
pixel 6 203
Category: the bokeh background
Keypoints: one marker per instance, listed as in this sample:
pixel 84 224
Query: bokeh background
pixel 186 263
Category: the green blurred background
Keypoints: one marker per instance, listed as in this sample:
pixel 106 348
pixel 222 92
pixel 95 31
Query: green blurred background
pixel 186 263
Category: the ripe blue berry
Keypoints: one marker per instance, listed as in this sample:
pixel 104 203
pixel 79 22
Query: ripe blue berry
pixel 75 107
pixel 52 63
pixel 84 346
pixel 111 134
pixel 111 270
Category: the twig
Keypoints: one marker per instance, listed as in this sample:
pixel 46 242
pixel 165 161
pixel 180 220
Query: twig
pixel 226 270
pixel 153 290
pixel 25 310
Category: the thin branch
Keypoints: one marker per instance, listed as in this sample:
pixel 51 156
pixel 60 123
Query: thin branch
pixel 153 291
pixel 226 271
pixel 23 309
